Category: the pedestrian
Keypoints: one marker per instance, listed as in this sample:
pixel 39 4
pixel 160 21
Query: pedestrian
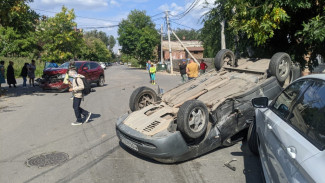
pixel 182 70
pixel 203 67
pixel 2 74
pixel 192 70
pixel 76 89
pixel 24 72
pixel 11 75
pixel 148 65
pixel 31 73
pixel 153 74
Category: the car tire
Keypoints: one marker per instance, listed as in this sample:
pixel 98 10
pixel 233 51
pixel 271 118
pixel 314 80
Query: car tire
pixel 221 57
pixel 101 81
pixel 280 66
pixel 294 74
pixel 192 119
pixel 252 139
pixel 142 97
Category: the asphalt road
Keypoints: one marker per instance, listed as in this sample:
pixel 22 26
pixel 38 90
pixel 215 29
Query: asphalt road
pixel 33 122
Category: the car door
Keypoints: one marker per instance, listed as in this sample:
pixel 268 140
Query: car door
pixel 275 132
pixel 94 71
pixel 86 72
pixel 307 120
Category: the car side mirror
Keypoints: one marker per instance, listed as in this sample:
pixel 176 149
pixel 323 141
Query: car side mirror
pixel 85 68
pixel 261 102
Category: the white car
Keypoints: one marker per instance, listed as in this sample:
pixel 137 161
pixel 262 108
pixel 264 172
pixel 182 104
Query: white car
pixel 289 132
pixel 102 64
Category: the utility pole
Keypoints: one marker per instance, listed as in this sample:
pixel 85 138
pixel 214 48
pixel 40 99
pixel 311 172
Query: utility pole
pixel 170 49
pixel 161 46
pixel 223 37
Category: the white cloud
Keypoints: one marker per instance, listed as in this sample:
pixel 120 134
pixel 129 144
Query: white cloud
pixel 77 4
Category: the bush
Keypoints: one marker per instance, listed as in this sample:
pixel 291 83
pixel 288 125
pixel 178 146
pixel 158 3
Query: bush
pixel 19 63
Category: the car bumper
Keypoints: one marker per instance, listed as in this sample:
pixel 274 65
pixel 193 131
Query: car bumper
pixel 166 147
pixel 59 85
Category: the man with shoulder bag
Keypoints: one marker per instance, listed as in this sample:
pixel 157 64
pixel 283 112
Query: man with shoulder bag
pixel 77 92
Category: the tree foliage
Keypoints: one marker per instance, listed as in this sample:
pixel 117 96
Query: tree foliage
pixel 58 37
pixel 295 26
pixel 95 49
pixel 184 34
pixel 138 36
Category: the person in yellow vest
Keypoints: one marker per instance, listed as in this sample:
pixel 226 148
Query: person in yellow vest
pixel 153 74
pixel 192 70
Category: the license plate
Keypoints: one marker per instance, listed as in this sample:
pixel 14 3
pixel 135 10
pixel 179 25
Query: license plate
pixel 129 144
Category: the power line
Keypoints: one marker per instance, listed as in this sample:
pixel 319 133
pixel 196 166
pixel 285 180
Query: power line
pixel 79 16
pixel 183 25
pixel 190 8
pixel 156 14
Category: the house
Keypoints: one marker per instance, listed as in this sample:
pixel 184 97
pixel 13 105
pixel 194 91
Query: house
pixel 178 52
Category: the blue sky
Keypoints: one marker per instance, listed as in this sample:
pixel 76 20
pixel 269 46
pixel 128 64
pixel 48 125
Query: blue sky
pixel 104 13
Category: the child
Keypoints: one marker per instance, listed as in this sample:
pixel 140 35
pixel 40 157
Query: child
pixel 153 74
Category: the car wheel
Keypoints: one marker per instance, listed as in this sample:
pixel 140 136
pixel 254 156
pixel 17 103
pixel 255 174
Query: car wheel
pixel 222 57
pixel 294 74
pixel 101 81
pixel 192 118
pixel 252 138
pixel 142 97
pixel 280 66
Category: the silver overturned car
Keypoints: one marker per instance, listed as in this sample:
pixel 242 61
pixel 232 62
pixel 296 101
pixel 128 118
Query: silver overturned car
pixel 205 113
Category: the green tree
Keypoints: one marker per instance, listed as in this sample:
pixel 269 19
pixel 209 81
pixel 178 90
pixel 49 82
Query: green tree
pixel 111 42
pixel 58 37
pixel 98 34
pixel 95 50
pixel 17 14
pixel 271 26
pixel 184 33
pixel 138 36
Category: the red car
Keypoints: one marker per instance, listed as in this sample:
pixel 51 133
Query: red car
pixel 52 78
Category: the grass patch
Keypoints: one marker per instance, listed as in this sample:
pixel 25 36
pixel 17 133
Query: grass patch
pixel 19 63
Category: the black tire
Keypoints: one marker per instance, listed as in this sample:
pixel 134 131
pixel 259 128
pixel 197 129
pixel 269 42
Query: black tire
pixel 221 57
pixel 192 111
pixel 142 97
pixel 294 74
pixel 252 139
pixel 101 81
pixel 280 66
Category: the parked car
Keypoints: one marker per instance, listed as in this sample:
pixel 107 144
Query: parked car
pixel 203 114
pixel 52 78
pixel 102 64
pixel 289 133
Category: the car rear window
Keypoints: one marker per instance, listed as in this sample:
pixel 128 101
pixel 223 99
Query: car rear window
pixel 308 115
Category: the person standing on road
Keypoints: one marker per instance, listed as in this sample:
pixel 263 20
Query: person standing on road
pixel 148 65
pixel 31 73
pixel 2 74
pixel 203 67
pixel 76 89
pixel 182 70
pixel 192 70
pixel 23 74
pixel 11 80
pixel 153 74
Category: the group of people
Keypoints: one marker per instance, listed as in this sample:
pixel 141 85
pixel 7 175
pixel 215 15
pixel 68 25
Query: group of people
pixel 191 70
pixel 27 70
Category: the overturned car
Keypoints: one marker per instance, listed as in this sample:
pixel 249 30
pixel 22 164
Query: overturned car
pixel 205 113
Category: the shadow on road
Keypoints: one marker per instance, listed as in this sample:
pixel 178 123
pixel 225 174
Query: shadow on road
pixel 252 165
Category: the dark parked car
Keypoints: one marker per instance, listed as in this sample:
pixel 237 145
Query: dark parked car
pixel 52 78
pixel 203 114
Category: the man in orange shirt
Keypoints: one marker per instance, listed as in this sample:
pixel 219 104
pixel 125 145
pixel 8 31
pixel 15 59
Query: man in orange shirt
pixel 192 70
